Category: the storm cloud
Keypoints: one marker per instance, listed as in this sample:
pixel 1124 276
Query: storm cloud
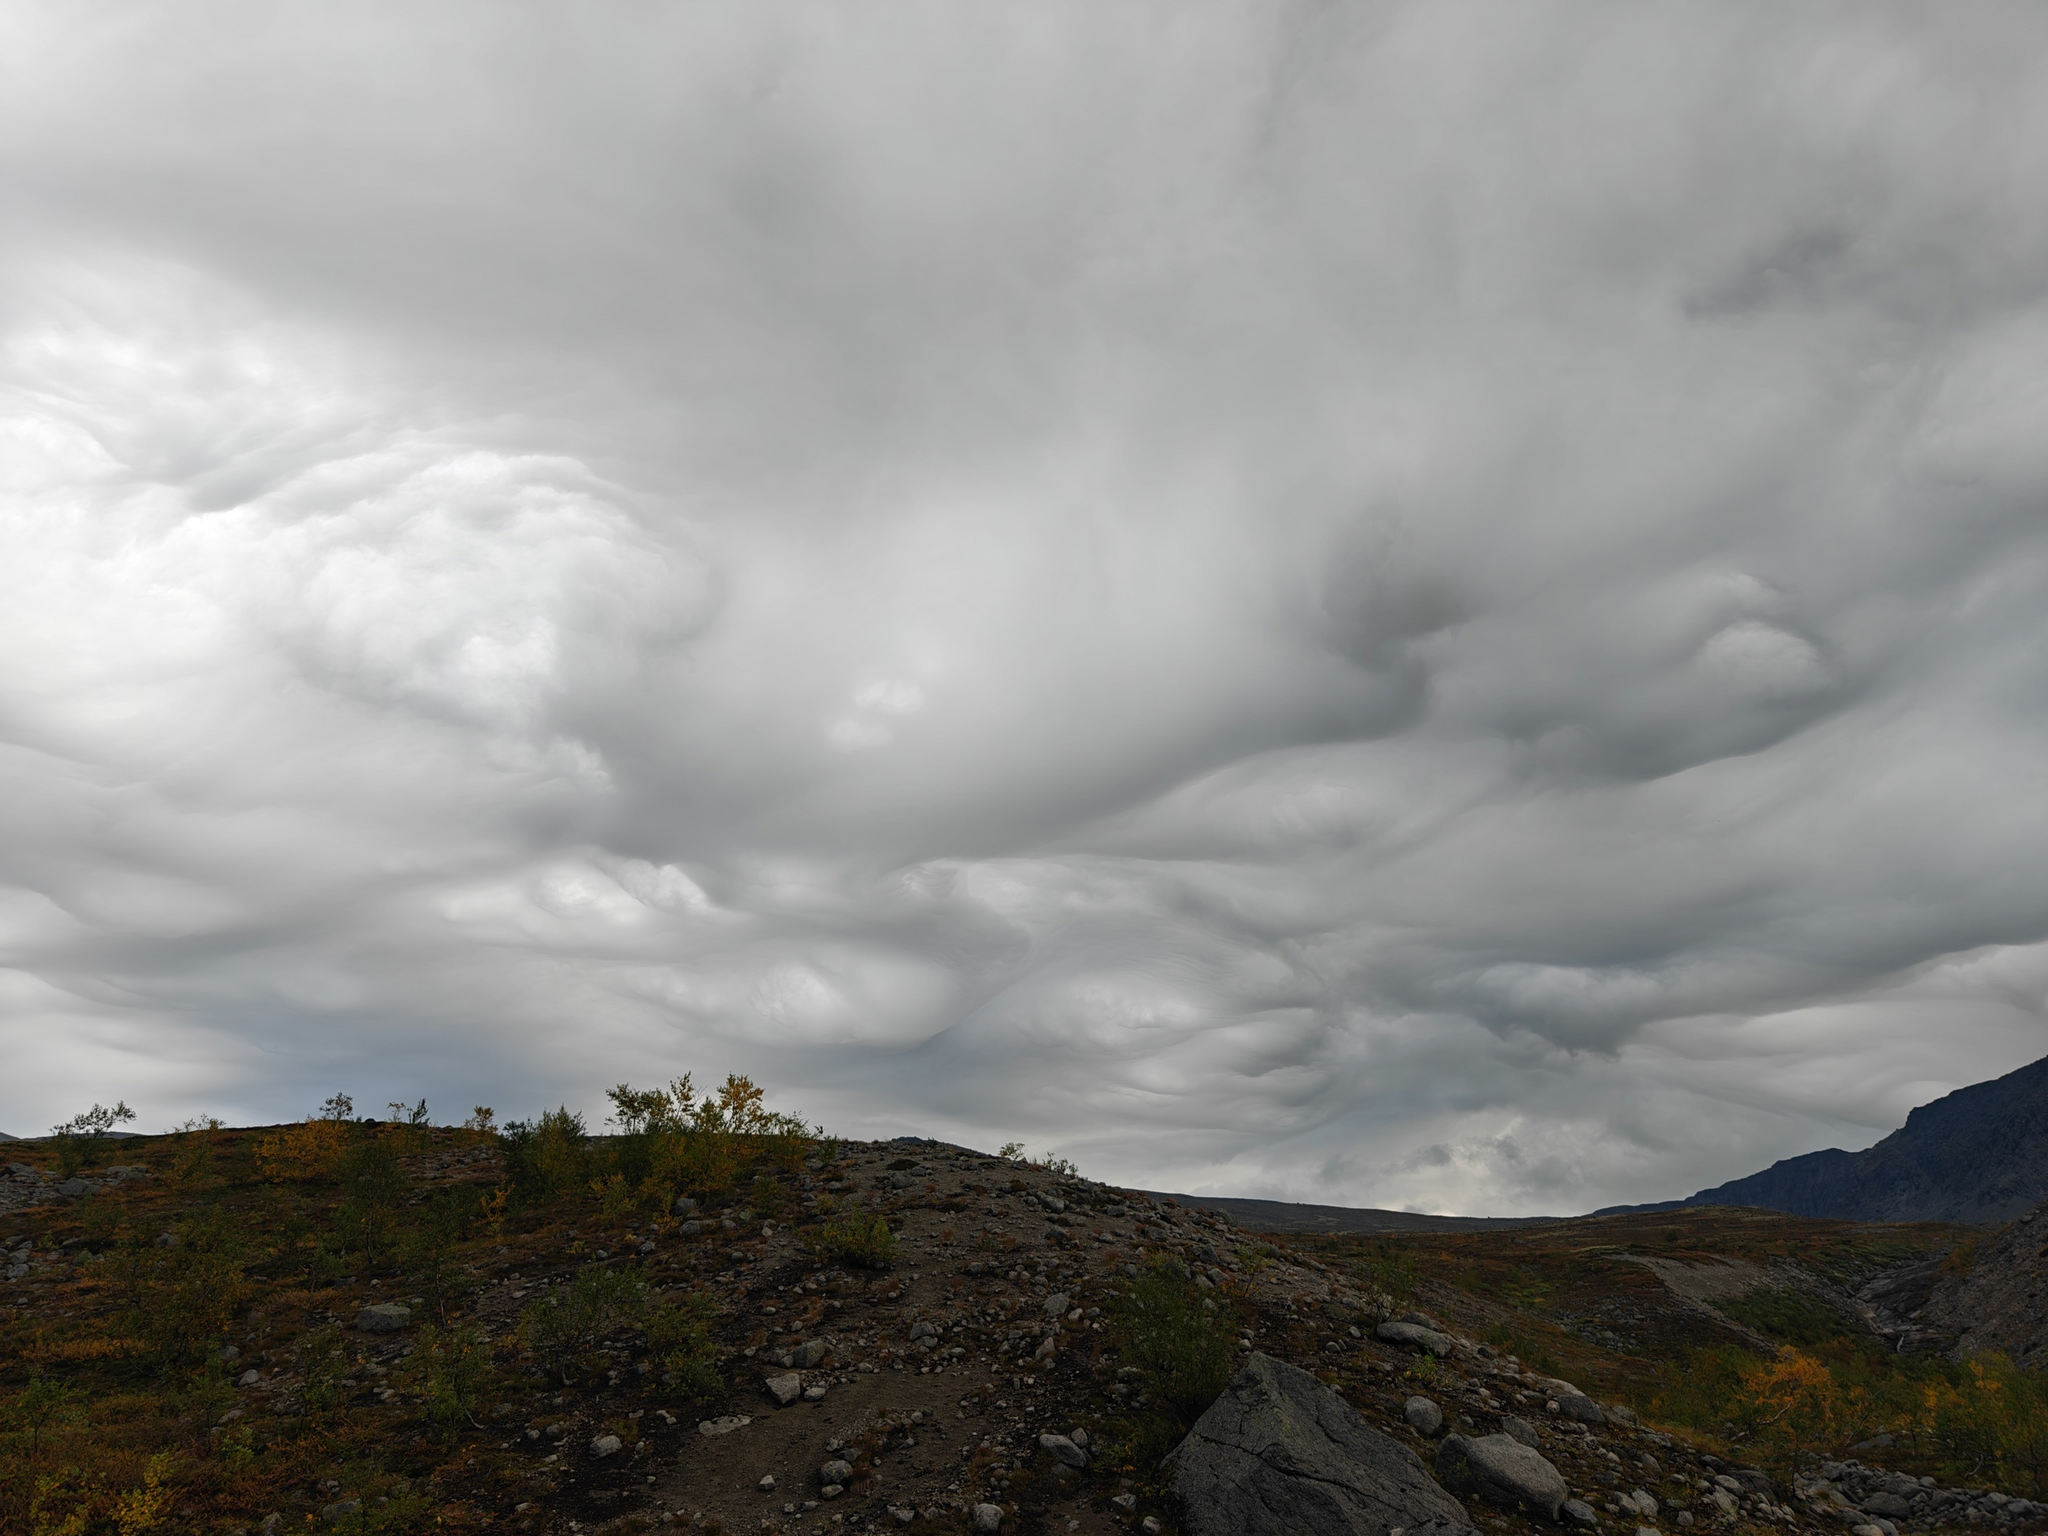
pixel 1422 604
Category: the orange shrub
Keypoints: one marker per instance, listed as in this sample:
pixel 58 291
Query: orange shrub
pixel 300 1152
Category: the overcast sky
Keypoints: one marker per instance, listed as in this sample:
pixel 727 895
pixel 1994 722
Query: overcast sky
pixel 1422 605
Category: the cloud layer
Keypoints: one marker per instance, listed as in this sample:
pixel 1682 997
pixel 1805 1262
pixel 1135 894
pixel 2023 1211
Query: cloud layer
pixel 1402 604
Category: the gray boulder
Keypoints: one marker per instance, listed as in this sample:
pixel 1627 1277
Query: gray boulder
pixel 1423 1416
pixel 1280 1453
pixel 1501 1470
pixel 785 1388
pixel 1415 1335
pixel 1062 1449
pixel 1583 1409
pixel 1518 1428
pixel 385 1317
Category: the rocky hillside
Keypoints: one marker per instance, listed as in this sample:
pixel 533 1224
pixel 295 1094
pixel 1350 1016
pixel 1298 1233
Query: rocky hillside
pixel 1979 1154
pixel 905 1335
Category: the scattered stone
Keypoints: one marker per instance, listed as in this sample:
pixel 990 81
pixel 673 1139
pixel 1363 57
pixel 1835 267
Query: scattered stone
pixel 1127 1502
pixel 1063 1450
pixel 1279 1452
pixel 341 1510
pixel 1423 1416
pixel 724 1426
pixel 605 1445
pixel 786 1388
pixel 1643 1503
pixel 1056 1305
pixel 384 1317
pixel 814 1394
pixel 988 1519
pixel 835 1472
pixel 901 1515
pixel 1501 1470
pixel 1416 1335
pixel 767 1483
pixel 249 1378
pixel 805 1356
pixel 1579 1512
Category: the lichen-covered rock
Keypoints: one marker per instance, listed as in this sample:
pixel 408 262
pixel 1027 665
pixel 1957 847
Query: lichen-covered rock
pixel 1501 1470
pixel 1279 1453
pixel 1415 1336
pixel 385 1317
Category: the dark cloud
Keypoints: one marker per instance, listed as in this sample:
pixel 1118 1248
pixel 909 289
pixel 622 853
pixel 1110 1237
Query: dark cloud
pixel 1406 604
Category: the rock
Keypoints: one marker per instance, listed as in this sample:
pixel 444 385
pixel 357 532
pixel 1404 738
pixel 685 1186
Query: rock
pixel 1056 1305
pixel 1063 1450
pixel 1582 1408
pixel 1423 1416
pixel 384 1317
pixel 1752 1480
pixel 901 1515
pixel 786 1388
pixel 1518 1428
pixel 1279 1452
pixel 724 1426
pixel 900 1181
pixel 71 1189
pixel 1621 1415
pixel 1501 1470
pixel 684 1206
pixel 1579 1512
pixel 1416 1335
pixel 1079 1437
pixel 831 1490
pixel 1643 1503
pixel 805 1356
pixel 1127 1502
pixel 692 1228
pixel 988 1519
pixel 342 1510
pixel 767 1483
pixel 922 1330
pixel 605 1445
pixel 840 1472
pixel 1150 1525
pixel 814 1394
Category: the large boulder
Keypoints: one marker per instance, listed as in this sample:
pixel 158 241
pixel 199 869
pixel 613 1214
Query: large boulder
pixel 1280 1453
pixel 1501 1470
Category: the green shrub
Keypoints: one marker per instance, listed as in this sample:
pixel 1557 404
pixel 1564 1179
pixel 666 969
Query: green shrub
pixel 451 1369
pixel 852 1236
pixel 180 1296
pixel 1183 1342
pixel 546 1158
pixel 426 1246
pixel 323 1368
pixel 679 1338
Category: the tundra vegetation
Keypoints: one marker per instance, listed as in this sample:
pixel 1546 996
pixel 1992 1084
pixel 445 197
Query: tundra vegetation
pixel 187 1350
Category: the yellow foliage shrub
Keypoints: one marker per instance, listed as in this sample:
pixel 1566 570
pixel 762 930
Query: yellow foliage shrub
pixel 301 1152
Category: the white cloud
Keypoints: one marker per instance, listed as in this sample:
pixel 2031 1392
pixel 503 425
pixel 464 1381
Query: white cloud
pixel 1391 605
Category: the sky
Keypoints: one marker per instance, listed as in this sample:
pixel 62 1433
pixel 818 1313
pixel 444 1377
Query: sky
pixel 1427 605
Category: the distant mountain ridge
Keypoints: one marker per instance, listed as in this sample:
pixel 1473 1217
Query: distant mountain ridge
pixel 1977 1155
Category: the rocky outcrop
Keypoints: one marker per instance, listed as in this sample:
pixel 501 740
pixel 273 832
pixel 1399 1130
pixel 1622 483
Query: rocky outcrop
pixel 1280 1453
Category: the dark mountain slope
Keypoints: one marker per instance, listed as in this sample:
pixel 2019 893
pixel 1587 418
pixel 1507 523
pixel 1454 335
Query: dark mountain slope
pixel 1979 1154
